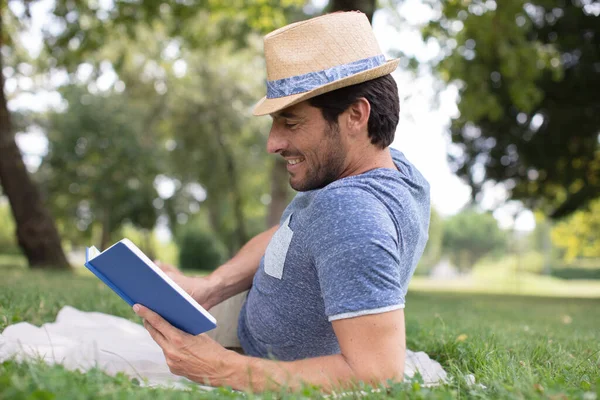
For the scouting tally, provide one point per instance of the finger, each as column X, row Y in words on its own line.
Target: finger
column 157, row 322
column 156, row 335
column 165, row 267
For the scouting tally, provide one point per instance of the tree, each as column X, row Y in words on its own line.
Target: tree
column 215, row 141
column 84, row 30
column 366, row 6
column 100, row 166
column 528, row 80
column 36, row 233
column 579, row 235
column 469, row 236
column 197, row 27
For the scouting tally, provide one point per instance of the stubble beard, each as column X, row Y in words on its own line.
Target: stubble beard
column 330, row 164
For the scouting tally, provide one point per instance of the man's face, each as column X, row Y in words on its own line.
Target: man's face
column 313, row 148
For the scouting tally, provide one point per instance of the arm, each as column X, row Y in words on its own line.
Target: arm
column 372, row 351
column 236, row 275
column 229, row 279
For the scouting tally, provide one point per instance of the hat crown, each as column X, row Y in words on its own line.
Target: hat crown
column 319, row 44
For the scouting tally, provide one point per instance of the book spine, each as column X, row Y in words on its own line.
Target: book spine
column 108, row 283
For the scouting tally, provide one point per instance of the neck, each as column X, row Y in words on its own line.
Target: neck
column 368, row 159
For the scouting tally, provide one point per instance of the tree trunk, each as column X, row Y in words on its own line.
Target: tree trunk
column 36, row 233
column 279, row 175
column 148, row 246
column 105, row 236
column 216, row 223
column 279, row 191
column 366, row 6
column 240, row 227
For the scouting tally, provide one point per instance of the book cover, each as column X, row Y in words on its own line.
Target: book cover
column 136, row 279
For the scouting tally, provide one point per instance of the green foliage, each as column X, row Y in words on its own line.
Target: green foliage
column 8, row 241
column 433, row 250
column 199, row 249
column 148, row 242
column 579, row 234
column 150, row 45
column 100, row 166
column 87, row 24
column 216, row 142
column 518, row 347
column 532, row 262
column 15, row 56
column 528, row 79
column 572, row 273
column 470, row 235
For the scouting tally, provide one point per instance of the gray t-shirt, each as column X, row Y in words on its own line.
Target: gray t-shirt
column 345, row 250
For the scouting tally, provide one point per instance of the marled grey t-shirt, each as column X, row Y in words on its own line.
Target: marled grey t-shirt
column 345, row 250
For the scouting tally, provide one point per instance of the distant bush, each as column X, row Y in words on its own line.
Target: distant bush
column 433, row 251
column 579, row 234
column 199, row 249
column 581, row 268
column 583, row 263
column 471, row 235
column 571, row 273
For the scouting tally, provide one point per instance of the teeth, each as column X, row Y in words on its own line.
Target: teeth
column 295, row 161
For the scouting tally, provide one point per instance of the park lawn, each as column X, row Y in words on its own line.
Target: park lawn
column 506, row 282
column 518, row 347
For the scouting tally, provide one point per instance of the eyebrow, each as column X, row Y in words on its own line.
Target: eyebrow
column 284, row 114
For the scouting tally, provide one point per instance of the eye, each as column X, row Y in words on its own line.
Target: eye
column 290, row 125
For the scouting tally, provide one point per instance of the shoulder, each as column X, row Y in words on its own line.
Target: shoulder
column 343, row 192
column 347, row 198
column 343, row 208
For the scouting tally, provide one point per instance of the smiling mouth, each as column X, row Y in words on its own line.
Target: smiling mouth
column 294, row 161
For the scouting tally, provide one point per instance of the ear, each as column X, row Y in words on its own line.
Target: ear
column 357, row 119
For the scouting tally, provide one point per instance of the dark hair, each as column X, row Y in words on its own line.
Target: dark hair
column 381, row 93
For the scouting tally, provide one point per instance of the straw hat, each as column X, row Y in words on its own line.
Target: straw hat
column 322, row 54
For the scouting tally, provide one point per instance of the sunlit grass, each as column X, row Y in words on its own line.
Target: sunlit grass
column 11, row 261
column 509, row 282
column 518, row 347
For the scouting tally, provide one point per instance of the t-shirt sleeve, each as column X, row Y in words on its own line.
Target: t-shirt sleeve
column 354, row 243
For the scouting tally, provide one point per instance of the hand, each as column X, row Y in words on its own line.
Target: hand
column 198, row 358
column 200, row 288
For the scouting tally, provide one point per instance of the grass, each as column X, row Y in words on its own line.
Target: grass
column 505, row 277
column 510, row 283
column 518, row 347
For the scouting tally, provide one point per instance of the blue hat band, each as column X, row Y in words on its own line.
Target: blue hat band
column 306, row 82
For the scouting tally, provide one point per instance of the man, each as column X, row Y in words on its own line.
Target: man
column 327, row 286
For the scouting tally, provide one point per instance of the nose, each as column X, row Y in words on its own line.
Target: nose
column 276, row 142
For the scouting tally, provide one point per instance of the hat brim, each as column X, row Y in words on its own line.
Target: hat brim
column 269, row 106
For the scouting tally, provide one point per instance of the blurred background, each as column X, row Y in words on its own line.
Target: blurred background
column 133, row 119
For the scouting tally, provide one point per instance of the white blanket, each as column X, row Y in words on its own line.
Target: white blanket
column 83, row 340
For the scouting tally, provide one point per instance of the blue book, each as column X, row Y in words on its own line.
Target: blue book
column 132, row 275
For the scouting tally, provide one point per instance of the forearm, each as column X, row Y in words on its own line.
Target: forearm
column 328, row 373
column 236, row 275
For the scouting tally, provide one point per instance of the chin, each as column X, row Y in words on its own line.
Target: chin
column 297, row 185
column 303, row 186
